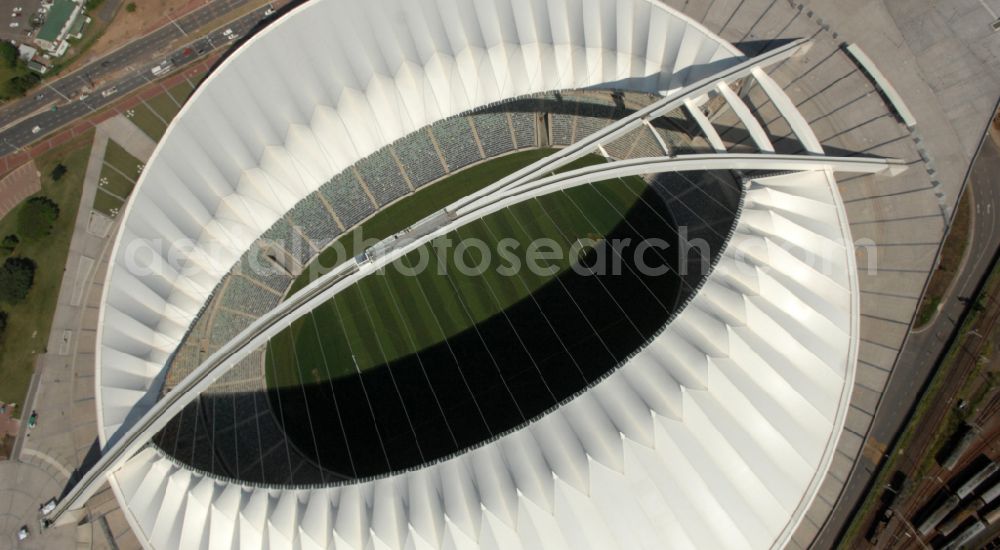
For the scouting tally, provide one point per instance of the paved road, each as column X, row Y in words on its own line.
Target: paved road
column 140, row 55
column 923, row 349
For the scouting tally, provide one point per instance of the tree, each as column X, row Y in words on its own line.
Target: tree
column 130, row 7
column 8, row 53
column 59, row 171
column 16, row 277
column 21, row 84
column 3, row 323
column 10, row 242
column 36, row 217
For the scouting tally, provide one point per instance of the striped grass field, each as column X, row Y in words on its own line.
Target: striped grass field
column 394, row 314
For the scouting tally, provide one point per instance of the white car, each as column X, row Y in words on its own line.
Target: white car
column 22, row 533
column 227, row 32
column 18, row 9
column 232, row 37
column 36, row 129
column 109, row 92
column 48, row 507
column 268, row 12
column 15, row 25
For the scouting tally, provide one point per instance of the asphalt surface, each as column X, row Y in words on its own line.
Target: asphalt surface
column 924, row 349
column 71, row 94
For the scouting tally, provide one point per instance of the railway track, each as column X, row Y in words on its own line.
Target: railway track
column 899, row 532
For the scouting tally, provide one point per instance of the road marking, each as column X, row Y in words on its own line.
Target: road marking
column 172, row 20
column 993, row 13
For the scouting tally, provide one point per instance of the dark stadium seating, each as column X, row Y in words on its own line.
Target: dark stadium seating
column 347, row 198
column 419, row 158
column 494, row 133
column 311, row 217
column 243, row 295
column 382, row 176
column 226, row 325
column 524, row 129
column 458, row 144
column 562, row 129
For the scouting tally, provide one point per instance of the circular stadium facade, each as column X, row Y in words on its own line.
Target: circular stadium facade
column 694, row 409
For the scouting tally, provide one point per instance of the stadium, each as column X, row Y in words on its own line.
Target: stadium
column 273, row 371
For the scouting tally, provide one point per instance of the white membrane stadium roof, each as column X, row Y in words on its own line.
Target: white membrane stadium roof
column 715, row 435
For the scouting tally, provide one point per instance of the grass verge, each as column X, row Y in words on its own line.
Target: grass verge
column 117, row 157
column 181, row 92
column 107, row 204
column 149, row 122
column 164, row 105
column 951, row 260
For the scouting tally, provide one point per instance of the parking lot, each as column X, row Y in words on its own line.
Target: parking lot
column 19, row 13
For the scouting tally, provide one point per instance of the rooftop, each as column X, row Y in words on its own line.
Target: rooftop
column 59, row 14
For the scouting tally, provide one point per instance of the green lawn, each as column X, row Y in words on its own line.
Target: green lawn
column 181, row 92
column 164, row 105
column 107, row 204
column 387, row 316
column 118, row 177
column 153, row 115
column 119, row 158
column 114, row 182
column 147, row 121
column 29, row 322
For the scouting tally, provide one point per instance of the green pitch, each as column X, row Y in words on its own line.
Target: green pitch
column 394, row 314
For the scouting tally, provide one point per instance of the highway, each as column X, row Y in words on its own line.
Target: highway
column 70, row 93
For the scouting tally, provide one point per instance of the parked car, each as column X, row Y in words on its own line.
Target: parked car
column 47, row 508
column 23, row 533
column 268, row 12
column 110, row 91
column 31, row 422
column 15, row 25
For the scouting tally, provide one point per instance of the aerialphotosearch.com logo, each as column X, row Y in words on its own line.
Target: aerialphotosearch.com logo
column 681, row 254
